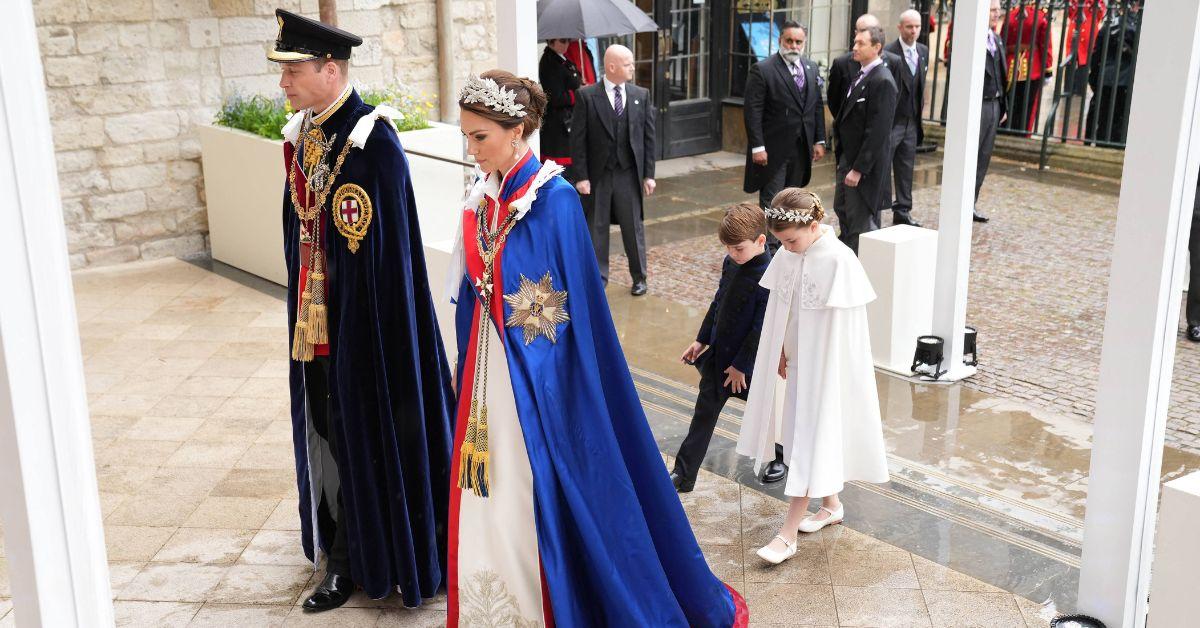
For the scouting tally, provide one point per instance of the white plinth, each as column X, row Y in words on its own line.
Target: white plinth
column 437, row 263
column 900, row 264
column 1173, row 599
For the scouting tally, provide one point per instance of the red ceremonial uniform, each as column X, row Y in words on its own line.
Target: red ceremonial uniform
column 1026, row 36
column 1082, row 25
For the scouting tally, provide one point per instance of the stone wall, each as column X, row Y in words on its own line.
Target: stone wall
column 128, row 81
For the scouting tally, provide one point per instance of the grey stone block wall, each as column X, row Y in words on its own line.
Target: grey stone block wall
column 128, row 81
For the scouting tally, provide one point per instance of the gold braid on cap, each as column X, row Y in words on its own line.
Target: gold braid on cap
column 491, row 94
column 802, row 216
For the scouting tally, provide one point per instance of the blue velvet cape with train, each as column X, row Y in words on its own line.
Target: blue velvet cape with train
column 616, row 546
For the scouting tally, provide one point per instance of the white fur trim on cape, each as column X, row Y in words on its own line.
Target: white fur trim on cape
column 291, row 130
column 362, row 128
column 458, row 259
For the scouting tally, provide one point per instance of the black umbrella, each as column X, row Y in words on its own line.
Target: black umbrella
column 582, row 19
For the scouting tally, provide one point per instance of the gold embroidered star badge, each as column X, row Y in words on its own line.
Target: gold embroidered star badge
column 538, row 308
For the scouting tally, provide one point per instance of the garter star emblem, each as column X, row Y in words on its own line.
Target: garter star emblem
column 538, row 308
column 352, row 214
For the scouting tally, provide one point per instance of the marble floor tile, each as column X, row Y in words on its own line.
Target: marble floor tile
column 344, row 617
column 219, row 385
column 276, row 432
column 5, row 607
column 188, row 348
column 183, row 481
column 269, row 456
column 411, row 618
column 893, row 570
column 250, row 407
column 110, row 502
column 249, row 349
column 173, row 582
column 275, row 367
column 163, row 428
column 963, row 609
column 171, row 365
column 125, row 405
column 275, row 547
column 114, row 363
column 263, row 584
column 123, row 479
column 230, row 367
column 842, row 538
column 791, row 604
column 725, row 561
column 188, row 406
column 1036, row 615
column 240, row 513
column 220, row 333
column 241, row 431
column 933, row 576
column 154, row 510
column 153, row 332
column 285, row 517
column 204, row 545
column 146, row 383
column 157, row 614
column 233, row 615
column 261, row 483
column 121, row 573
column 98, row 383
column 264, row 387
column 810, row 565
column 881, row 608
column 126, row 451
column 207, row 455
column 134, row 543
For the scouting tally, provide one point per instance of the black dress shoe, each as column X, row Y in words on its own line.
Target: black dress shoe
column 978, row 217
column 682, row 484
column 638, row 289
column 774, row 472
column 333, row 592
column 904, row 218
column 1193, row 333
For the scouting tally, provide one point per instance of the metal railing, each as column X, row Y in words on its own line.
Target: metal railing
column 1084, row 51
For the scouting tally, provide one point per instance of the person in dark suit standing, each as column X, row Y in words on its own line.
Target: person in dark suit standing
column 914, row 61
column 785, row 119
column 995, row 85
column 843, row 69
column 863, row 137
column 559, row 78
column 612, row 160
column 1192, row 311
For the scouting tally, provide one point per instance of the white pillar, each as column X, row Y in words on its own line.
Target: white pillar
column 1158, row 184
column 958, row 183
column 48, row 500
column 516, row 36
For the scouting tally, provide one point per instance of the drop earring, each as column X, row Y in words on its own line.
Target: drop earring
column 516, row 153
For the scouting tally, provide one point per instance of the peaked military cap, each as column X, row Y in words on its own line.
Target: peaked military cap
column 302, row 39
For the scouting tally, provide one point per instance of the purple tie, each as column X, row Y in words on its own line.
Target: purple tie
column 799, row 78
column 861, row 74
column 991, row 42
column 618, row 103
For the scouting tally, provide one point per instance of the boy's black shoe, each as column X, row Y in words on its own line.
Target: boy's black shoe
column 682, row 484
column 774, row 472
column 333, row 592
column 638, row 289
column 1193, row 333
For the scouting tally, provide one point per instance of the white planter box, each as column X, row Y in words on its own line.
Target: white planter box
column 244, row 187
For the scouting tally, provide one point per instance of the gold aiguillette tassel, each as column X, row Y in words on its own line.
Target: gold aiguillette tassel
column 318, row 314
column 468, row 449
column 302, row 346
column 479, row 472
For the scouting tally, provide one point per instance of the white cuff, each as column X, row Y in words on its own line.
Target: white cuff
column 758, row 149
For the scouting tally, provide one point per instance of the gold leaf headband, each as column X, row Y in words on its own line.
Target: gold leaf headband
column 492, row 95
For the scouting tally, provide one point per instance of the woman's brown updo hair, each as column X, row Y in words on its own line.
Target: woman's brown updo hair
column 798, row 199
column 529, row 94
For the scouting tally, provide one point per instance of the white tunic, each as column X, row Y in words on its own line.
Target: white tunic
column 831, row 429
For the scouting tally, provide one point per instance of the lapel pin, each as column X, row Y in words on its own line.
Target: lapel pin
column 636, row 101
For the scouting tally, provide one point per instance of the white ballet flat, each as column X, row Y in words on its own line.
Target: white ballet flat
column 774, row 557
column 809, row 525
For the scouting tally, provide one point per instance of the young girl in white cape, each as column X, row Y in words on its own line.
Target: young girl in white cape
column 815, row 336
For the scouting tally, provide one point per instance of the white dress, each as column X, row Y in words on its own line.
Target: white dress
column 830, row 429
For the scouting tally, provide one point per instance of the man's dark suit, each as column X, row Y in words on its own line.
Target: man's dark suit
column 842, row 72
column 559, row 78
column 995, row 83
column 1192, row 310
column 863, row 133
column 906, row 127
column 731, row 329
column 615, row 154
column 784, row 121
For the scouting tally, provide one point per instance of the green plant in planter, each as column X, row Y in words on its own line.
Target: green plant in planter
column 266, row 116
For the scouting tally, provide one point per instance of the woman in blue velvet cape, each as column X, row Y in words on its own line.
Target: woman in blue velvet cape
column 582, row 492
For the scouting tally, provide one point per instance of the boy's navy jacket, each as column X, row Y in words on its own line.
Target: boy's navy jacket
column 734, row 320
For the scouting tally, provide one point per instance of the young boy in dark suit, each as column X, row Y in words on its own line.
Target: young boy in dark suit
column 724, row 349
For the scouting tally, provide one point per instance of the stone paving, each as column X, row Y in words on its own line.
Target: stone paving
column 1038, row 284
column 186, row 385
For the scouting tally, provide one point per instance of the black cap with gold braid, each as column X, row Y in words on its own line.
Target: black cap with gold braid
column 303, row 39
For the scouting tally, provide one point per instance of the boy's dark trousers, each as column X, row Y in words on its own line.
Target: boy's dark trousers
column 709, row 403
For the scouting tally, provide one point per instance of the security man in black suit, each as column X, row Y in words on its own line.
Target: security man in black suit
column 914, row 61
column 863, row 134
column 785, row 119
column 612, row 159
column 1192, row 309
column 559, row 78
column 995, row 84
column 843, row 69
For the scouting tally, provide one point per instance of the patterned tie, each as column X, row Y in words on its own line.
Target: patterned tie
column 798, row 76
column 991, row 42
column 911, row 53
column 857, row 78
column 618, row 103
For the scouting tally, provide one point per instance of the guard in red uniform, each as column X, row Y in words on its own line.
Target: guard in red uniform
column 1026, row 35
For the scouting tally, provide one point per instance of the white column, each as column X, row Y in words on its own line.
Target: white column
column 48, row 500
column 516, row 36
column 958, row 183
column 1158, row 184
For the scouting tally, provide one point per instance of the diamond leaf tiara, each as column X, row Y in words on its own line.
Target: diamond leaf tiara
column 490, row 94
